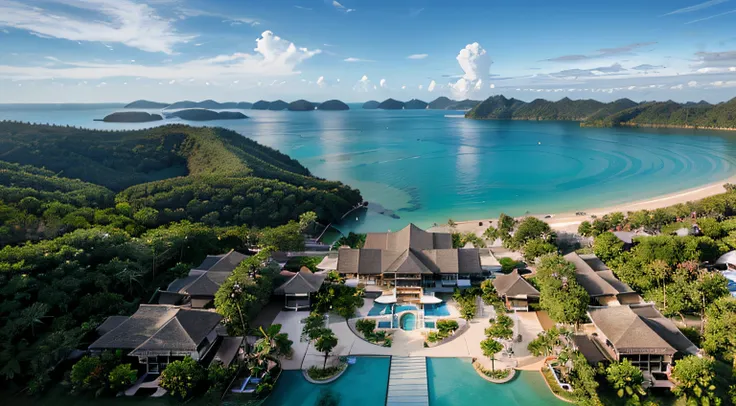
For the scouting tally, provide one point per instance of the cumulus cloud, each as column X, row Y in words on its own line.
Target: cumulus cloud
column 118, row 21
column 321, row 81
column 431, row 86
column 692, row 83
column 403, row 87
column 677, row 87
column 273, row 56
column 417, row 56
column 383, row 84
column 421, row 87
column 364, row 85
column 476, row 64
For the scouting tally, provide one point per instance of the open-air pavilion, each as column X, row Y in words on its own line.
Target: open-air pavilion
column 300, row 287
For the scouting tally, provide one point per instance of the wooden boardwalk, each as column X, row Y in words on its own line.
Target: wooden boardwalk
column 407, row 382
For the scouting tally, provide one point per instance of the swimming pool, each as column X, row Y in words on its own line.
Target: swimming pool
column 381, row 309
column 408, row 321
column 446, row 375
column 384, row 324
column 429, row 324
column 370, row 374
column 436, row 310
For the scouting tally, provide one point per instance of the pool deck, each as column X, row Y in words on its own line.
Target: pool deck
column 408, row 343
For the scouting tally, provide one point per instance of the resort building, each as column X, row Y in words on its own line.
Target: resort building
column 300, row 287
column 599, row 281
column 515, row 291
column 641, row 334
column 627, row 237
column 158, row 334
column 199, row 287
column 409, row 260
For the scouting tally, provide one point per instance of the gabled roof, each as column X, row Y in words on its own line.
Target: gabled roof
column 513, row 285
column 640, row 329
column 410, row 236
column 589, row 279
column 409, row 262
column 160, row 328
column 303, row 281
column 206, row 279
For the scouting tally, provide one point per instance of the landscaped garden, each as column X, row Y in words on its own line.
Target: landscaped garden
column 367, row 329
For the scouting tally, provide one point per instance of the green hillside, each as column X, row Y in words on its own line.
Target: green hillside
column 670, row 114
column 495, row 107
column 177, row 172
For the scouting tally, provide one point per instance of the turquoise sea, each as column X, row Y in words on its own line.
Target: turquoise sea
column 426, row 166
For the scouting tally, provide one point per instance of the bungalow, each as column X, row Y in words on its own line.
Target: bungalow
column 300, row 287
column 627, row 237
column 516, row 291
column 600, row 282
column 158, row 334
column 199, row 287
column 410, row 259
column 641, row 334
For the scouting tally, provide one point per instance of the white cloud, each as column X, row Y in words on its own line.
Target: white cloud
column 478, row 85
column 493, row 86
column 677, row 87
column 403, row 87
column 421, row 87
column 692, row 83
column 364, row 85
column 187, row 12
column 351, row 59
column 340, row 7
column 696, row 7
column 171, row 82
column 383, row 84
column 476, row 63
column 120, row 21
column 732, row 69
column 431, row 86
column 417, row 56
column 321, row 81
column 273, row 56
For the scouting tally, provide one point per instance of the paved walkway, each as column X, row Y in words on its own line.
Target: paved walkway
column 407, row 382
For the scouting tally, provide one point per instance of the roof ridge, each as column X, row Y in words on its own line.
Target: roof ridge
column 220, row 260
column 173, row 318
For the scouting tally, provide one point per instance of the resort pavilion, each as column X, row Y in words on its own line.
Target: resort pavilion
column 641, row 334
column 515, row 291
column 408, row 260
column 600, row 282
column 156, row 334
column 199, row 287
column 300, row 287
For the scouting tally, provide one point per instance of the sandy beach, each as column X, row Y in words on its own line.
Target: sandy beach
column 569, row 221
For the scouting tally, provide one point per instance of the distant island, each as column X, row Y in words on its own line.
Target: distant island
column 415, row 104
column 619, row 113
column 131, row 117
column 302, row 105
column 371, row 105
column 206, row 115
column 391, row 104
column 278, row 105
column 145, row 104
column 333, row 105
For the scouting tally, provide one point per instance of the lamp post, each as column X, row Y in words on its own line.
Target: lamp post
column 237, row 291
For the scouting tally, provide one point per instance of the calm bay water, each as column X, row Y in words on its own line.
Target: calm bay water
column 427, row 166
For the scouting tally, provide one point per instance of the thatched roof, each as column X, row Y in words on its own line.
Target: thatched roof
column 514, row 285
column 303, row 281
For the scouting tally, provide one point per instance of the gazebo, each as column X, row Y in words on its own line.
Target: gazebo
column 299, row 288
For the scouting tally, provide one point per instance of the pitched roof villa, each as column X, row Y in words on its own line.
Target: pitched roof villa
column 200, row 286
column 516, row 291
column 298, row 289
column 600, row 282
column 409, row 257
column 158, row 334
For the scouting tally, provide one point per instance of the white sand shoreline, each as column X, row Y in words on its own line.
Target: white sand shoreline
column 569, row 221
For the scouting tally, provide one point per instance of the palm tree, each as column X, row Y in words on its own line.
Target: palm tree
column 130, row 275
column 490, row 348
column 325, row 343
column 32, row 315
column 273, row 342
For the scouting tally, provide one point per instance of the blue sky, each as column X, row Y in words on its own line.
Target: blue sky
column 355, row 50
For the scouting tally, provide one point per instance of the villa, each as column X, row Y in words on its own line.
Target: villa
column 599, row 281
column 641, row 334
column 409, row 260
column 300, row 287
column 158, row 334
column 515, row 291
column 199, row 287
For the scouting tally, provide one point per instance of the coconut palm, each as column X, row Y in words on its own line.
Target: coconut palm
column 273, row 342
column 32, row 315
column 490, row 348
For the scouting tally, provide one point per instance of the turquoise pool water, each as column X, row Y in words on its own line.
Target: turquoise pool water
column 454, row 382
column 435, row 310
column 408, row 321
column 363, row 384
column 380, row 309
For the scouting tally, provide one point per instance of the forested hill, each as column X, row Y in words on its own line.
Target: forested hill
column 167, row 174
column 671, row 114
column 622, row 112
